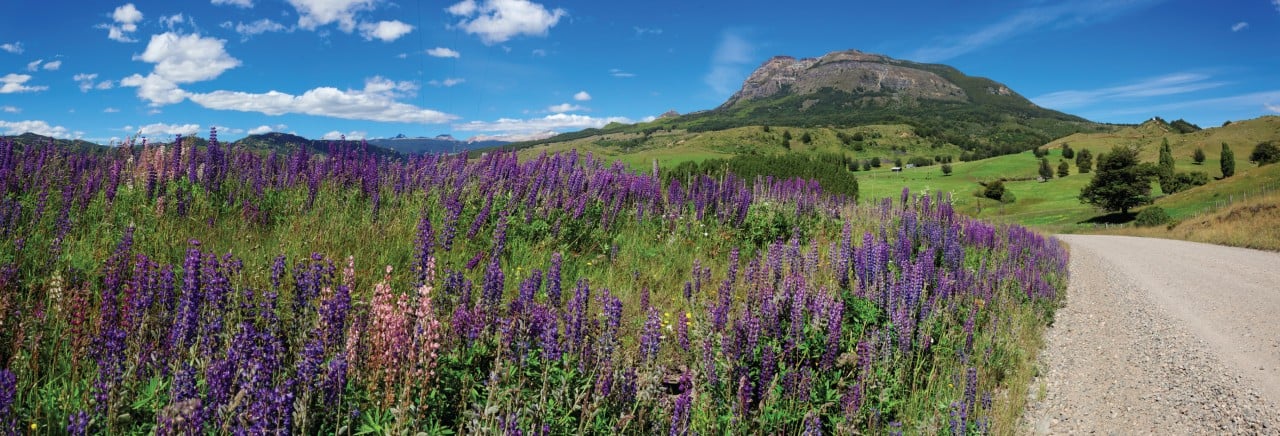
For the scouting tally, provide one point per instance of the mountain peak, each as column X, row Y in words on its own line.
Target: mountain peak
column 850, row 71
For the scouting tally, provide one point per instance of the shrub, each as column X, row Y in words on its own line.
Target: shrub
column 1265, row 153
column 1152, row 216
column 1064, row 169
column 1198, row 156
column 1228, row 161
column 946, row 169
column 995, row 190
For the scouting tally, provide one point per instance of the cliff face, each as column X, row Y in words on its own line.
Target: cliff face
column 849, row 71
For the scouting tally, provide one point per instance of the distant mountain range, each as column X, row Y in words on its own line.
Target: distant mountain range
column 438, row 144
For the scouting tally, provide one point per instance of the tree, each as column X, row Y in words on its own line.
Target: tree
column 1265, row 153
column 946, row 169
column 786, row 139
column 1046, row 173
column 875, row 162
column 1166, row 167
column 1067, row 152
column 1198, row 156
column 806, row 138
column 1064, row 169
column 1084, row 161
column 897, row 162
column 994, row 191
column 1228, row 161
column 1121, row 182
column 1038, row 153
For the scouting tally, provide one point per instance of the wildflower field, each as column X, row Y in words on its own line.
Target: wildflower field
column 183, row 290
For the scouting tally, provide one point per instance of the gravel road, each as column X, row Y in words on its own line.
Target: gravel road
column 1162, row 337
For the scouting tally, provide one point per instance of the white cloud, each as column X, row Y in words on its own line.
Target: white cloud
column 12, row 47
column 565, row 107
column 52, row 66
column 1244, row 102
column 376, row 102
column 14, row 83
column 187, row 58
column 641, row 31
column 85, row 80
column 729, row 63
column 513, row 137
column 10, row 109
column 229, row 130
column 582, row 96
column 315, row 13
column 444, row 52
column 549, row 122
column 386, row 31
column 34, row 126
column 166, row 129
column 448, row 82
column 1276, row 3
column 1170, row 84
column 125, row 20
column 267, row 129
column 1272, row 107
column 247, row 30
column 1055, row 16
column 105, row 84
column 34, row 65
column 1240, row 26
column 497, row 21
column 110, row 110
column 172, row 20
column 620, row 74
column 539, row 53
column 238, row 3
column 336, row 135
column 155, row 89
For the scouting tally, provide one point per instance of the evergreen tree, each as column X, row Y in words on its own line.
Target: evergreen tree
column 1121, row 182
column 1067, row 152
column 1046, row 173
column 806, row 138
column 1228, row 161
column 946, row 169
column 1166, row 167
column 786, row 139
column 1084, row 161
column 1064, row 169
column 1198, row 156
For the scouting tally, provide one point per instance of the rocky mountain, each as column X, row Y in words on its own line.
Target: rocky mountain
column 847, row 71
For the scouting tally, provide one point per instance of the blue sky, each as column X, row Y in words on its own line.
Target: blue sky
column 511, row 68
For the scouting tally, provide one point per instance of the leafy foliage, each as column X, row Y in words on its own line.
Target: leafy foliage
column 1084, row 161
column 831, row 171
column 1046, row 172
column 1228, row 161
column 1198, row 156
column 1151, row 216
column 1265, row 153
column 1121, row 182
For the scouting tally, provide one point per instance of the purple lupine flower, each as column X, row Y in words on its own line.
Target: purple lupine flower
column 651, row 337
column 548, row 332
column 528, row 290
column 336, row 381
column 553, row 280
column 680, row 410
column 494, row 281
column 8, row 391
column 835, row 318
column 682, row 330
column 812, row 425
column 78, row 423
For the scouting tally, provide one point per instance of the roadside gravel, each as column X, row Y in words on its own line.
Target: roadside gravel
column 1161, row 337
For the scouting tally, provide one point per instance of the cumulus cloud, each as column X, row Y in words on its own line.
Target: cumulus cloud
column 171, row 21
column 12, row 47
column 247, row 30
column 165, row 129
column 187, row 58
column 14, row 83
column 336, row 135
column 124, row 22
column 549, row 122
column 448, row 82
column 178, row 59
column 267, row 129
column 1272, row 107
column 85, row 82
column 34, row 126
column 34, row 65
column 52, row 66
column 565, row 107
column 1239, row 26
column 496, row 21
column 238, row 3
column 729, row 63
column 386, row 31
column 316, row 13
column 444, row 52
column 376, row 102
column 10, row 109
column 582, row 96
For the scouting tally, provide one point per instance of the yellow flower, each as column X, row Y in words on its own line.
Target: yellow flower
column 33, row 426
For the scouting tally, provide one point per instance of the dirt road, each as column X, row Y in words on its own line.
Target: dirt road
column 1162, row 337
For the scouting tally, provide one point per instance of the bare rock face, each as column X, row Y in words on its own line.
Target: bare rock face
column 850, row 71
